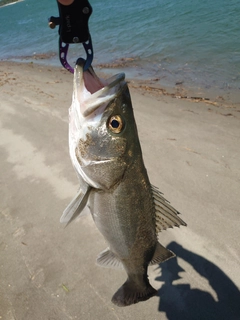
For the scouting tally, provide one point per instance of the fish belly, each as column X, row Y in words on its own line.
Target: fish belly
column 125, row 217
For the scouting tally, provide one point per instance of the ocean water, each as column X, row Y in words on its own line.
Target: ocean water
column 192, row 42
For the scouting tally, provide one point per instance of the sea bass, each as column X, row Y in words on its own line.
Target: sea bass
column 106, row 154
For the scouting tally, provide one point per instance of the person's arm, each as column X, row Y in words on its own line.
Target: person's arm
column 66, row 2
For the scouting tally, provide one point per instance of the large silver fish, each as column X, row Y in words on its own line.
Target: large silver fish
column 127, row 209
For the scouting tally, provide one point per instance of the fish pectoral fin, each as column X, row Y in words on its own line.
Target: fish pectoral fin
column 108, row 259
column 75, row 207
column 166, row 215
column 161, row 254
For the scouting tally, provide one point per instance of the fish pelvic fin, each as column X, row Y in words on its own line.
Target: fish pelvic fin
column 131, row 292
column 75, row 207
column 108, row 259
column 166, row 215
column 161, row 254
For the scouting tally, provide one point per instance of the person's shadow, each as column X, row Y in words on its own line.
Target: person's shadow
column 181, row 302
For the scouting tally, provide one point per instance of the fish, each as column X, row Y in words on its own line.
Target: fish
column 127, row 209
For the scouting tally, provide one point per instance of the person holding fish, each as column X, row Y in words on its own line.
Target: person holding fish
column 105, row 151
column 73, row 29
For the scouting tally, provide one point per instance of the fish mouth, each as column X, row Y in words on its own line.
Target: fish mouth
column 92, row 91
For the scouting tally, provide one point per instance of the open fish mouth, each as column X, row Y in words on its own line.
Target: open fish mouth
column 92, row 91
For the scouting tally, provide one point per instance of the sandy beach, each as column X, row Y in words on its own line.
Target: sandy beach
column 191, row 151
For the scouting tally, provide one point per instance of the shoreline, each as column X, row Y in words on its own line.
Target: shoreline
column 191, row 154
column 151, row 86
column 8, row 3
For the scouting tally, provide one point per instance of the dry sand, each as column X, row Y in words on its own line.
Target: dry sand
column 191, row 151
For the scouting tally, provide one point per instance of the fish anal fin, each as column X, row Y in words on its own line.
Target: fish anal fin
column 130, row 293
column 161, row 254
column 108, row 259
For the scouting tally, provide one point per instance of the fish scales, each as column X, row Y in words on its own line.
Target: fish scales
column 106, row 154
column 124, row 229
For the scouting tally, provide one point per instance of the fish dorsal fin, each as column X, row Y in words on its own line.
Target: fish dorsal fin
column 108, row 259
column 166, row 215
column 161, row 254
column 75, row 207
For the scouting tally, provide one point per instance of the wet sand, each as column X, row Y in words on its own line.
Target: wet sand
column 191, row 151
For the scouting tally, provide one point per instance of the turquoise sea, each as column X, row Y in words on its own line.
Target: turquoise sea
column 193, row 42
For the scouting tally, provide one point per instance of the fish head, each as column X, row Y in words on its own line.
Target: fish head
column 102, row 130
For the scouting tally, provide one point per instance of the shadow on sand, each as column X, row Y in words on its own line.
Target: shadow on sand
column 180, row 302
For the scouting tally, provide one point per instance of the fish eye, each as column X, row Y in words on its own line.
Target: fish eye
column 115, row 124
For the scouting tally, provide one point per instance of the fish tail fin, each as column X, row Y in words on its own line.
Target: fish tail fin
column 130, row 292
